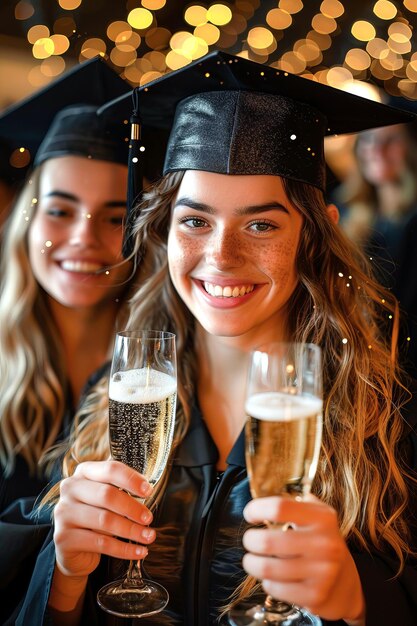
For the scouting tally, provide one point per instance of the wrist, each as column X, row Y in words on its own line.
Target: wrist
column 359, row 619
column 66, row 591
column 356, row 622
column 354, row 596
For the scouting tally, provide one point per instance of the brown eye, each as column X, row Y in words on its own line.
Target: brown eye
column 262, row 226
column 194, row 222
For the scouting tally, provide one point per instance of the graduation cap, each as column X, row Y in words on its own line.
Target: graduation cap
column 229, row 115
column 62, row 117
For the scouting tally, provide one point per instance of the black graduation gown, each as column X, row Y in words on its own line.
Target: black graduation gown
column 198, row 551
column 23, row 483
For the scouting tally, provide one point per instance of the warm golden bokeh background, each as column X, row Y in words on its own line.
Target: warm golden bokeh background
column 344, row 44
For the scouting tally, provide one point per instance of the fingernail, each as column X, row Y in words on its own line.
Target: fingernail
column 148, row 533
column 141, row 551
column 146, row 517
column 146, row 489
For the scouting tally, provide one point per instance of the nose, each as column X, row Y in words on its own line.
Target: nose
column 224, row 249
column 84, row 231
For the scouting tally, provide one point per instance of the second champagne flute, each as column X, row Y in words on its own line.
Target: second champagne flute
column 283, row 438
column 142, row 402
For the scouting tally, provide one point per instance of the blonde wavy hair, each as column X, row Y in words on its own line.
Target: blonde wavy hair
column 337, row 305
column 33, row 377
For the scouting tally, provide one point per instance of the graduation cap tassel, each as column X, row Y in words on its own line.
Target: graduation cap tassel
column 135, row 172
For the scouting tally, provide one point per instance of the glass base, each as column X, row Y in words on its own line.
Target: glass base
column 259, row 616
column 148, row 598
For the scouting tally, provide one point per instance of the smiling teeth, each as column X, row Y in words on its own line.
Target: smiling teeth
column 84, row 267
column 227, row 292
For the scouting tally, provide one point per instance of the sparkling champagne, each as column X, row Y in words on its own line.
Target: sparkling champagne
column 141, row 418
column 283, row 434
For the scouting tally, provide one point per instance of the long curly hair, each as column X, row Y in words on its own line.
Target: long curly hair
column 33, row 377
column 338, row 305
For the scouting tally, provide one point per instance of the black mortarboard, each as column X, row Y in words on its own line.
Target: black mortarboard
column 41, row 125
column 229, row 115
column 78, row 129
column 234, row 116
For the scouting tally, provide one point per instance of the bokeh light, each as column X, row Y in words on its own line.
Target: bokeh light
column 52, row 67
column 363, row 30
column 116, row 28
column 23, row 10
column 37, row 78
column 196, row 15
column 332, row 8
column 37, row 32
column 411, row 5
column 43, row 48
column 140, row 18
column 92, row 47
column 69, row 5
column 323, row 41
column 260, row 38
column 377, row 48
column 175, row 60
column 278, row 19
column 358, row 59
column 385, row 10
column 219, row 14
column 292, row 62
column 128, row 41
column 153, row 5
column 208, row 32
column 61, row 44
column 338, row 77
column 331, row 41
column 290, row 6
column 308, row 50
column 158, row 38
column 122, row 58
column 20, row 158
column 400, row 32
column 323, row 24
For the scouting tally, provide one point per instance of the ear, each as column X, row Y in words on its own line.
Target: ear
column 333, row 213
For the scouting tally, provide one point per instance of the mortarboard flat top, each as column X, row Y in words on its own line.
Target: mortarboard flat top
column 218, row 71
column 231, row 115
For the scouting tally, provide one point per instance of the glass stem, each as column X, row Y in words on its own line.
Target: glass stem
column 134, row 576
column 277, row 606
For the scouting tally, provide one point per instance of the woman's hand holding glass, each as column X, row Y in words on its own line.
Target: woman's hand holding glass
column 299, row 554
column 283, row 438
column 311, row 567
column 95, row 515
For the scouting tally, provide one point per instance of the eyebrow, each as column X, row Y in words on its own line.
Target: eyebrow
column 112, row 204
column 247, row 210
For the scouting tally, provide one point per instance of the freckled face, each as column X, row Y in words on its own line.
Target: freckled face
column 76, row 232
column 232, row 250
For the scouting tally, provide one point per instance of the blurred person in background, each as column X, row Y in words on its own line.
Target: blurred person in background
column 379, row 196
column 63, row 278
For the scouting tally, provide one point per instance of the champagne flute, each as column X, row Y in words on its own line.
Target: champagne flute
column 283, row 438
column 142, row 401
